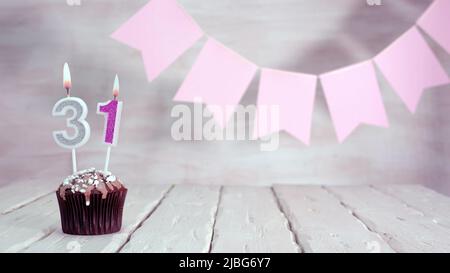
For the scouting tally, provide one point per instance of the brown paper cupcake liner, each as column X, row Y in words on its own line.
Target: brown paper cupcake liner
column 102, row 216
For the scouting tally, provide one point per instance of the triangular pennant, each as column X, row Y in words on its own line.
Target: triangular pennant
column 293, row 94
column 162, row 31
column 219, row 77
column 410, row 67
column 353, row 97
column 435, row 21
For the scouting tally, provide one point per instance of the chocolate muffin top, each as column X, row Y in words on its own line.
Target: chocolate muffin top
column 89, row 180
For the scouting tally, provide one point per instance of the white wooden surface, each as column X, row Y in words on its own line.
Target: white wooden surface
column 30, row 191
column 428, row 201
column 249, row 220
column 197, row 218
column 405, row 228
column 323, row 224
column 22, row 227
column 183, row 223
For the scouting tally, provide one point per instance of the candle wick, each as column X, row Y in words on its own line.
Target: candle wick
column 68, row 92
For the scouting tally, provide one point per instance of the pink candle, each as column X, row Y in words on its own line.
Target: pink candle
column 112, row 111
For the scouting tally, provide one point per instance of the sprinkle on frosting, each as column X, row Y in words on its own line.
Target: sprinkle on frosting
column 88, row 180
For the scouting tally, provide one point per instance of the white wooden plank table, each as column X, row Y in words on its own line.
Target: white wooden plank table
column 405, row 228
column 194, row 218
column 249, row 220
column 323, row 224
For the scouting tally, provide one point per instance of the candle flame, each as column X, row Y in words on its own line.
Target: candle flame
column 116, row 87
column 67, row 82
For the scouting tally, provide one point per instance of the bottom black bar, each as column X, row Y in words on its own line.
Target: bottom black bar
column 229, row 262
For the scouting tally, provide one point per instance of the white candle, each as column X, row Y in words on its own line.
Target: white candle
column 77, row 119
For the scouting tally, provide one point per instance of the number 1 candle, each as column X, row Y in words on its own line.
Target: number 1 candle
column 77, row 121
column 112, row 111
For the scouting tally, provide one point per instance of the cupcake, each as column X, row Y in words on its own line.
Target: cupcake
column 91, row 203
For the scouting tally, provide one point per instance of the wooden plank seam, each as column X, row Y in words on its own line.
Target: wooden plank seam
column 145, row 218
column 357, row 217
column 408, row 205
column 294, row 235
column 219, row 199
column 25, row 203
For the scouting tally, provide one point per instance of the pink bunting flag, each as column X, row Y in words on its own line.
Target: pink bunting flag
column 353, row 97
column 436, row 21
column 410, row 67
column 219, row 77
column 162, row 31
column 294, row 94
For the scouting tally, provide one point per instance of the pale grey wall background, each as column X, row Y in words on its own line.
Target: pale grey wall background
column 37, row 37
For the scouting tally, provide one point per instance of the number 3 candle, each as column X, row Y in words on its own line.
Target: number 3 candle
column 111, row 110
column 76, row 121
